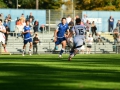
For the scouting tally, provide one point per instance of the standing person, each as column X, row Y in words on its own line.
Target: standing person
column 36, row 25
column 6, row 23
column 87, row 25
column 79, row 31
column 2, row 36
column 111, row 24
column 118, row 44
column 118, row 25
column 9, row 19
column 35, row 41
column 89, row 44
column 84, row 19
column 6, row 34
column 31, row 16
column 68, row 19
column 27, row 37
column 93, row 28
column 60, row 35
column 115, row 35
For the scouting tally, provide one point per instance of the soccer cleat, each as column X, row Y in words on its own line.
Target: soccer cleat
column 69, row 59
column 60, row 56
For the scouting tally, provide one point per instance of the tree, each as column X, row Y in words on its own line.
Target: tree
column 31, row 4
column 2, row 4
column 97, row 4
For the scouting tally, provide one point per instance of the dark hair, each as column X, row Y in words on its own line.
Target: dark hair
column 63, row 18
column 78, row 20
column 1, row 20
column 27, row 21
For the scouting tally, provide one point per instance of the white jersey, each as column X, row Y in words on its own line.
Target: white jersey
column 2, row 36
column 79, row 31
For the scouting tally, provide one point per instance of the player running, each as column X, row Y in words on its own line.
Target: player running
column 79, row 31
column 60, row 35
column 27, row 37
column 2, row 36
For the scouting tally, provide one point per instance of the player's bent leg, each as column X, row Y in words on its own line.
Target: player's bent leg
column 23, row 53
column 63, row 48
column 30, row 47
column 4, row 46
column 76, row 50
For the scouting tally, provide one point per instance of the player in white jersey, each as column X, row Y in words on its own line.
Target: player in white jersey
column 79, row 31
column 2, row 36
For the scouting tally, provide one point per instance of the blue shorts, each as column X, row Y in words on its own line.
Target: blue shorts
column 60, row 40
column 26, row 41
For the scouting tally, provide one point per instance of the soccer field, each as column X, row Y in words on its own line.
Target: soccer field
column 48, row 72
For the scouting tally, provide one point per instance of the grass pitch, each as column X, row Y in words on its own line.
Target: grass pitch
column 48, row 72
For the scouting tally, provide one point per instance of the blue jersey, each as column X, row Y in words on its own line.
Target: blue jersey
column 27, row 35
column 62, row 29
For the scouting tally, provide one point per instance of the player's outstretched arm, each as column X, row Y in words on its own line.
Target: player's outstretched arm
column 55, row 35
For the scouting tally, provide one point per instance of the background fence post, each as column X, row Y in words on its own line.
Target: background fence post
column 49, row 22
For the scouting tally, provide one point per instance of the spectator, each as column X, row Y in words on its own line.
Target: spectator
column 6, row 23
column 118, row 25
column 118, row 44
column 31, row 16
column 18, row 22
column 19, row 27
column 36, row 25
column 68, row 19
column 89, row 44
column 31, row 24
column 22, row 18
column 115, row 35
column 9, row 19
column 111, row 23
column 84, row 19
column 87, row 28
column 42, row 27
column 35, row 41
column 76, row 17
column 6, row 34
column 98, row 39
column 71, row 24
column 93, row 28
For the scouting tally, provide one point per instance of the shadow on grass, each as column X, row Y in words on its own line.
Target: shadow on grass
column 15, row 76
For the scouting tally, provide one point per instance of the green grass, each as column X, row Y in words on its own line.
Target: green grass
column 47, row 72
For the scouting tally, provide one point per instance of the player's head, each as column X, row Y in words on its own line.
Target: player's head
column 63, row 20
column 27, row 22
column 78, row 21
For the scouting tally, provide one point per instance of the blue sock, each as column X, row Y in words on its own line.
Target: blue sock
column 61, row 52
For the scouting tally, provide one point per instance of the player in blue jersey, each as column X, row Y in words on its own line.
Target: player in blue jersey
column 79, row 31
column 60, row 35
column 27, row 37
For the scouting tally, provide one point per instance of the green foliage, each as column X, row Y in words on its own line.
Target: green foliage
column 2, row 4
column 97, row 5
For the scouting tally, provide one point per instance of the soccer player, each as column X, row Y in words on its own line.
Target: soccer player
column 60, row 35
column 79, row 31
column 27, row 37
column 2, row 36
